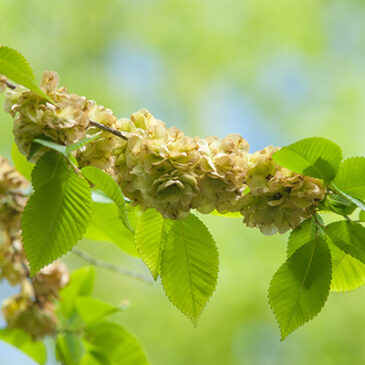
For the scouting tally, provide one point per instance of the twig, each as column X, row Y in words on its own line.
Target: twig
column 110, row 267
column 10, row 85
column 105, row 128
column 108, row 129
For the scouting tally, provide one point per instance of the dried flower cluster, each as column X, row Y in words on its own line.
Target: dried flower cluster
column 159, row 167
column 33, row 308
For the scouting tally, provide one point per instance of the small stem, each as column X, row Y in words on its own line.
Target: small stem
column 110, row 267
column 108, row 129
column 10, row 85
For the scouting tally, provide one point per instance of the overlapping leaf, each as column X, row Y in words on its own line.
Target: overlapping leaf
column 189, row 267
column 348, row 237
column 14, row 66
column 302, row 235
column 20, row 162
column 299, row 289
column 113, row 345
column 348, row 273
column 317, row 157
column 109, row 186
column 23, row 341
column 105, row 225
column 151, row 233
column 351, row 177
column 56, row 216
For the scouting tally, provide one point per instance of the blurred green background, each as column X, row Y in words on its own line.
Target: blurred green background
column 273, row 71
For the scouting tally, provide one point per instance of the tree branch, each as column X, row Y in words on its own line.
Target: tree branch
column 108, row 129
column 10, row 85
column 85, row 256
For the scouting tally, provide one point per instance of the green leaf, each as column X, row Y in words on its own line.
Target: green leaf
column 348, row 237
column 116, row 344
column 360, row 204
column 299, row 289
column 317, row 157
column 189, row 267
column 92, row 309
column 362, row 216
column 52, row 145
column 20, row 162
column 93, row 357
column 83, row 142
column 110, row 187
column 302, row 235
column 23, row 341
column 350, row 178
column 151, row 234
column 338, row 204
column 69, row 349
column 81, row 284
column 227, row 215
column 47, row 168
column 347, row 272
column 56, row 217
column 105, row 226
column 14, row 66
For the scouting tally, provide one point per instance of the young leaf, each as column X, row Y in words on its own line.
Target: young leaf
column 105, row 226
column 69, row 349
column 338, row 204
column 189, row 267
column 23, row 341
column 52, row 145
column 299, row 289
column 115, row 344
column 56, row 217
column 20, row 162
column 14, row 66
column 359, row 203
column 92, row 309
column 317, row 157
column 302, row 235
column 83, row 142
column 362, row 216
column 348, row 273
column 47, row 168
column 350, row 178
column 151, row 233
column 110, row 187
column 81, row 284
column 348, row 237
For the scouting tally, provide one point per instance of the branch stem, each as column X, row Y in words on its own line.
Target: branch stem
column 131, row 274
column 108, row 129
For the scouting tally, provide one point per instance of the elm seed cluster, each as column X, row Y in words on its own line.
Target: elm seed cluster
column 160, row 167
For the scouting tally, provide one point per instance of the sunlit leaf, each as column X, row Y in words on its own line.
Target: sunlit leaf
column 350, row 178
column 317, row 157
column 109, row 186
column 105, row 226
column 56, row 217
column 151, row 233
column 348, row 237
column 14, row 66
column 115, row 344
column 299, row 289
column 81, row 284
column 22, row 341
column 348, row 273
column 189, row 267
column 20, row 162
column 69, row 349
column 92, row 309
